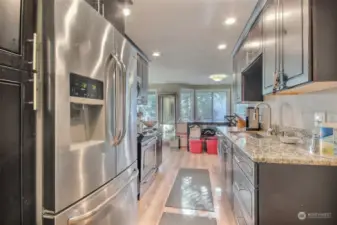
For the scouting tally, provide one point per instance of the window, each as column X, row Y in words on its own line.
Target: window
column 203, row 105
column 186, row 105
column 219, row 105
column 149, row 110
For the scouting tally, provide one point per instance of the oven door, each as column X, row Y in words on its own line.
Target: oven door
column 148, row 157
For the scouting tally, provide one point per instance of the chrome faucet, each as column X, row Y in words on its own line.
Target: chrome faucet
column 269, row 131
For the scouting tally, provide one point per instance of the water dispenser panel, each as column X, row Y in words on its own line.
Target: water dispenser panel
column 85, row 87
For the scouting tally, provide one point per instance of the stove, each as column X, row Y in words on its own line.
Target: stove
column 147, row 161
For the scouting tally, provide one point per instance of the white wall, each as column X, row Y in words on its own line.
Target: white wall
column 298, row 110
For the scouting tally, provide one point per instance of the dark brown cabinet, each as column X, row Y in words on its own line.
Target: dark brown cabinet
column 298, row 46
column 112, row 11
column 285, row 43
column 17, row 149
column 143, row 78
column 294, row 41
column 114, row 14
column 17, row 25
column 269, row 41
column 17, row 117
column 253, row 44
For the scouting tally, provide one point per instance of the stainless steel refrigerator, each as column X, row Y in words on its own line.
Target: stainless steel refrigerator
column 90, row 147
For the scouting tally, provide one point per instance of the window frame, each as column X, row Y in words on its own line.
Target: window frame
column 192, row 92
column 194, row 100
column 152, row 91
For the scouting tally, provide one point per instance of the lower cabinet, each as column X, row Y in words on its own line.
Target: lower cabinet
column 240, row 220
column 245, row 194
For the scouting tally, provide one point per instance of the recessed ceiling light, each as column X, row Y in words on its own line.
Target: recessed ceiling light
column 218, row 77
column 126, row 11
column 230, row 21
column 222, row 46
column 156, row 54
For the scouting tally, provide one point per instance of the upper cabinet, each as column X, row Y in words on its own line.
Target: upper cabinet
column 111, row 10
column 285, row 44
column 247, row 77
column 17, row 33
column 143, row 79
column 113, row 13
column 253, row 44
column 294, row 42
column 299, row 45
column 269, row 42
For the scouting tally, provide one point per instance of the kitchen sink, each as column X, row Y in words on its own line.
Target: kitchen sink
column 249, row 133
column 255, row 135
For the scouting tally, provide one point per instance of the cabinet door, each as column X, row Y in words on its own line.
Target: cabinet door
column 236, row 79
column 294, row 45
column 239, row 87
column 269, row 45
column 17, row 25
column 254, row 45
column 240, row 66
column 145, row 78
column 113, row 13
column 17, row 149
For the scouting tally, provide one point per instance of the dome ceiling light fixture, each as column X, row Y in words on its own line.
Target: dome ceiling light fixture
column 218, row 77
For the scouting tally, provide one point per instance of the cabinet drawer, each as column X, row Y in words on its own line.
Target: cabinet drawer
column 227, row 142
column 247, row 165
column 240, row 220
column 245, row 193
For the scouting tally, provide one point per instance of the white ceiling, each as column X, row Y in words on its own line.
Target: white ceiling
column 187, row 33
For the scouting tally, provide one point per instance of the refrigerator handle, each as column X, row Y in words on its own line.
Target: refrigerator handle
column 116, row 139
column 124, row 101
column 93, row 212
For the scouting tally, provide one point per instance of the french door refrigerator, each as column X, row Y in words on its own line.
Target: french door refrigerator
column 90, row 147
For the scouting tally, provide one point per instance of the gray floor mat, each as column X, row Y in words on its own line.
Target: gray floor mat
column 191, row 190
column 178, row 219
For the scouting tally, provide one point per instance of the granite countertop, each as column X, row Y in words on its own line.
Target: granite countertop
column 271, row 150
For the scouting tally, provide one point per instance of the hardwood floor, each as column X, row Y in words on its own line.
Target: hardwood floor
column 152, row 204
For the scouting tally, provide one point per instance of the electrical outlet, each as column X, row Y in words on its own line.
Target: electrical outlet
column 319, row 118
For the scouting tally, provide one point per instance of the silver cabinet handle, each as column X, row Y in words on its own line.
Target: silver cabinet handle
column 87, row 215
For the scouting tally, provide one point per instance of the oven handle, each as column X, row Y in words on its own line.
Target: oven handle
column 87, row 215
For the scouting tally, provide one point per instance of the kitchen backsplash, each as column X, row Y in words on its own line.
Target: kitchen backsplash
column 297, row 111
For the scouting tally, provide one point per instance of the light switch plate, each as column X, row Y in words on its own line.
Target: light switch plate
column 319, row 118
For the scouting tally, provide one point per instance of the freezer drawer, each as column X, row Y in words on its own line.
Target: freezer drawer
column 114, row 203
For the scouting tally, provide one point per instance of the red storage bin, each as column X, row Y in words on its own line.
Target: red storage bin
column 196, row 146
column 212, row 146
